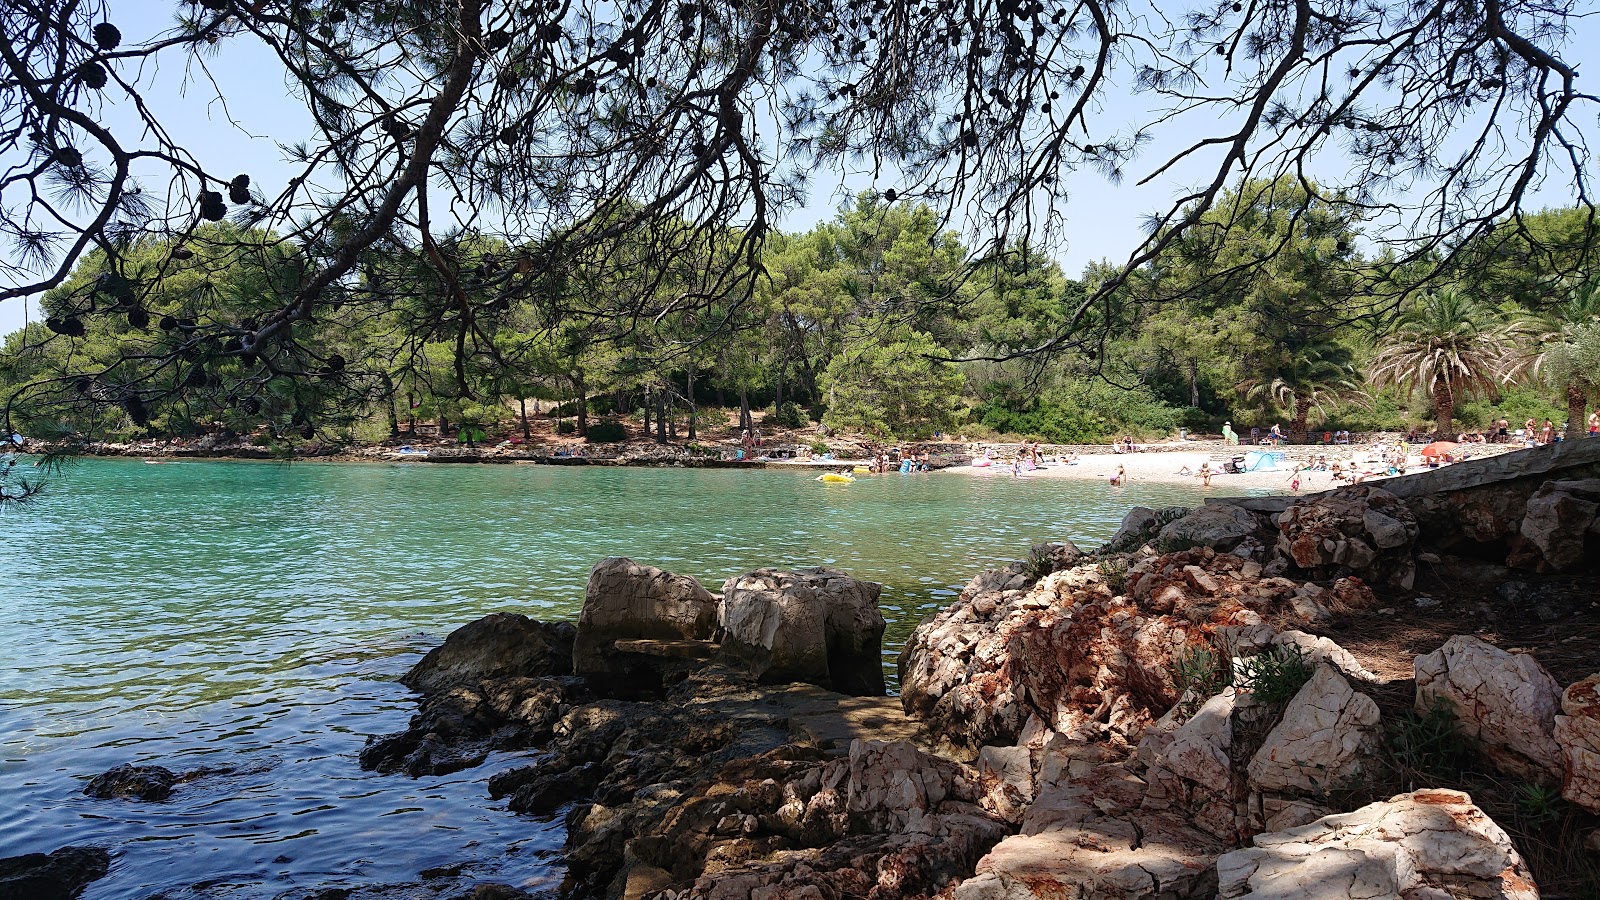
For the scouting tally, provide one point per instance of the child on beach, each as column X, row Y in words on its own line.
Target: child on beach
column 1294, row 479
column 1205, row 474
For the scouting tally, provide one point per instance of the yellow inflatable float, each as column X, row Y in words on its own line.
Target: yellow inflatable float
column 836, row 478
column 861, row 470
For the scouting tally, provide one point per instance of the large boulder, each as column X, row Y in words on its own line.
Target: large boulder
column 61, row 875
column 499, row 645
column 1324, row 742
column 1362, row 530
column 1506, row 702
column 815, row 625
column 1426, row 844
column 1578, row 734
column 1139, row 527
column 1558, row 519
column 625, row 600
column 1220, row 526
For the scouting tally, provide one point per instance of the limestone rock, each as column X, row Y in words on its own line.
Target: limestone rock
column 1139, row 527
column 1220, row 526
column 1057, row 555
column 1361, row 530
column 1323, row 742
column 1507, row 702
column 1430, row 844
column 1578, row 734
column 1088, row 838
column 816, row 625
column 499, row 645
column 625, row 600
column 61, row 875
column 1557, row 522
column 1317, row 649
column 1190, row 768
column 133, row 782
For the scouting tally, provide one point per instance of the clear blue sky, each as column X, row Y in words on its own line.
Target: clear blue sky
column 243, row 134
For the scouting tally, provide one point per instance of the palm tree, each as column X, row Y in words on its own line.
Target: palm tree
column 1317, row 373
column 1451, row 346
column 1565, row 351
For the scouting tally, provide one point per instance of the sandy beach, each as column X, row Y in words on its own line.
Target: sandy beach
column 1166, row 467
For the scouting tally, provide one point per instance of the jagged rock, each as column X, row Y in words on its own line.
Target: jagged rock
column 1088, row 837
column 1426, row 844
column 1506, row 702
column 1005, row 778
column 1190, row 767
column 1139, row 526
column 1323, row 743
column 499, row 645
column 1577, row 733
column 1318, row 649
column 133, row 782
column 1361, row 530
column 1087, row 662
column 815, row 625
column 1055, row 555
column 625, row 600
column 1220, row 526
column 887, row 821
column 60, row 875
column 457, row 728
column 1558, row 518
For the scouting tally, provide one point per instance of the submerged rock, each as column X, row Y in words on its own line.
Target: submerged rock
column 61, row 875
column 133, row 782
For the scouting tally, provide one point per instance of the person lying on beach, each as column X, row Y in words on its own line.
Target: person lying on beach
column 1185, row 471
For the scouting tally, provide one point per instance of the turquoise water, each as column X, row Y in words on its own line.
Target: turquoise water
column 252, row 617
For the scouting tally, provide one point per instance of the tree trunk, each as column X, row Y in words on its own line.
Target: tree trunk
column 1297, row 428
column 527, row 433
column 777, row 400
column 661, row 417
column 745, row 420
column 583, row 404
column 1194, row 382
column 647, row 401
column 1577, row 405
column 689, row 396
column 1444, row 407
column 411, row 413
column 388, row 406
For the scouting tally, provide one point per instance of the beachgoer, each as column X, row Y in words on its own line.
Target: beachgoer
column 1277, row 435
column 1255, row 435
column 1229, row 436
column 1594, row 423
column 1336, row 473
column 1547, row 433
column 1185, row 471
column 1205, row 474
column 1120, row 478
column 1530, row 431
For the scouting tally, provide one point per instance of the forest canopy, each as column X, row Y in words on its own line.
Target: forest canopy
column 490, row 193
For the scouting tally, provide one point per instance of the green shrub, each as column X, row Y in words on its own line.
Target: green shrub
column 1275, row 675
column 820, row 448
column 606, row 431
column 789, row 415
column 565, row 427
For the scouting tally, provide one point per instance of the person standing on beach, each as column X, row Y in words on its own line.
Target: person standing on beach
column 1205, row 474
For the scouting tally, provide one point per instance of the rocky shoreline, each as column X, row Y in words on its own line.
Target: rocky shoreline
column 1171, row 716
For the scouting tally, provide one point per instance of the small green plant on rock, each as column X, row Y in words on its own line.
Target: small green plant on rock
column 1114, row 572
column 1276, row 674
column 1425, row 748
column 1038, row 564
column 1201, row 669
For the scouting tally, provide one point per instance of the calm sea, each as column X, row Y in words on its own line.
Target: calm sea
column 252, row 617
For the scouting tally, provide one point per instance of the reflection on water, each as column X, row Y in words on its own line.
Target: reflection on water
column 251, row 618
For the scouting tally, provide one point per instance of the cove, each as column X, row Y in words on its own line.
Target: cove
column 252, row 618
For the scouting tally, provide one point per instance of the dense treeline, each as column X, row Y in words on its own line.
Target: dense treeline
column 876, row 322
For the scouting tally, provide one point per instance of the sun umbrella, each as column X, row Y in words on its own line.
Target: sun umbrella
column 1439, row 448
